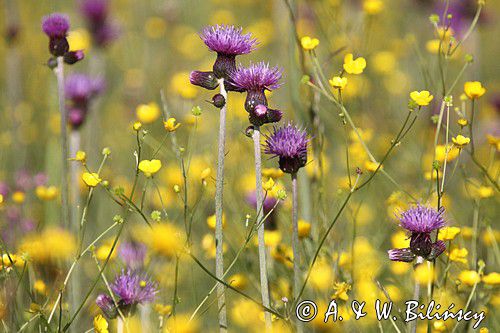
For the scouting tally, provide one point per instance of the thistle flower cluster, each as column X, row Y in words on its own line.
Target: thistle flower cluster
column 56, row 27
column 420, row 221
column 96, row 14
column 132, row 288
column 79, row 90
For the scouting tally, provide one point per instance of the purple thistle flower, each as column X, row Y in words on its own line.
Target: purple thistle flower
column 420, row 221
column 289, row 144
column 133, row 254
column 96, row 13
column 79, row 89
column 55, row 25
column 228, row 40
column 133, row 288
column 257, row 77
column 107, row 306
column 268, row 204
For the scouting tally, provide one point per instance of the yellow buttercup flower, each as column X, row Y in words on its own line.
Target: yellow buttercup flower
column 474, row 89
column 18, row 197
column 469, row 278
column 341, row 289
column 78, row 39
column 239, row 281
column 163, row 309
column 91, row 179
column 211, row 221
column 309, row 43
column 424, row 273
column 373, row 7
column 462, row 122
column 354, row 66
column 1, row 198
column 448, row 233
column 40, row 287
column 147, row 113
column 304, row 228
column 80, row 156
column 274, row 173
column 422, row 98
column 338, row 82
column 372, row 166
column 100, row 324
column 181, row 85
column 171, row 125
column 137, row 125
column 268, row 186
column 46, row 193
column 485, row 192
column 149, row 167
column 492, row 279
column 449, row 153
column 460, row 141
column 459, row 255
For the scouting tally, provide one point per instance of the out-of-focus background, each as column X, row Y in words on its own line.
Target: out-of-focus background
column 153, row 48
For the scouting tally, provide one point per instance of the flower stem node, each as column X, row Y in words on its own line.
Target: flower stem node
column 218, row 101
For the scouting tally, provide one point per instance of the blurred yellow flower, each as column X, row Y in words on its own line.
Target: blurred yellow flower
column 272, row 238
column 384, row 62
column 137, row 125
column 469, row 278
column 309, row 43
column 50, row 245
column 432, row 46
column 268, row 185
column 163, row 309
column 460, row 141
column 181, row 85
column 149, row 167
column 338, row 82
column 304, row 228
column 462, row 122
column 208, row 244
column 274, row 173
column 321, row 275
column 155, row 27
column 474, row 89
column 46, row 193
column 211, row 221
column 104, row 251
column 341, row 289
column 1, row 198
column 91, row 179
column 78, row 39
column 372, row 166
column 459, row 255
column 424, row 273
column 354, row 66
column 100, row 324
column 163, row 238
column 8, row 259
column 492, row 279
column 448, row 152
column 400, row 240
column 246, row 313
column 18, row 197
column 422, row 98
column 205, row 173
column 181, row 323
column 485, row 192
column 171, row 125
column 40, row 287
column 448, row 233
column 373, row 7
column 239, row 281
column 147, row 113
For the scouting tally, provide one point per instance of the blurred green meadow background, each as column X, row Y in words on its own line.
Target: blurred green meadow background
column 155, row 49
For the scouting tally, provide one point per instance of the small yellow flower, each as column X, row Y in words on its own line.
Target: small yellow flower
column 373, row 7
column 147, row 113
column 239, row 281
column 274, row 173
column 338, row 82
column 91, row 179
column 448, row 152
column 422, row 98
column 474, row 89
column 163, row 309
column 1, row 198
column 18, row 197
column 309, row 43
column 149, row 167
column 80, row 156
column 211, row 221
column 492, row 279
column 469, row 278
column 137, row 125
column 354, row 66
column 459, row 255
column 460, row 141
column 171, row 125
column 485, row 192
column 205, row 173
column 462, row 122
column 484, row 329
column 341, row 289
column 100, row 324
column 372, row 166
column 268, row 186
column 78, row 40
column 448, row 233
column 46, row 193
column 304, row 228
column 40, row 287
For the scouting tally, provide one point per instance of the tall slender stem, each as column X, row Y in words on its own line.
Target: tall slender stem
column 219, row 191
column 260, row 231
column 59, row 71
column 416, row 295
column 295, row 243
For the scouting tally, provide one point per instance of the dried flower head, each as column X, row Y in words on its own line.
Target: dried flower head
column 289, row 144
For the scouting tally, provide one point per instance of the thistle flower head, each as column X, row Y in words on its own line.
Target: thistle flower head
column 421, row 219
column 95, row 10
column 55, row 25
column 133, row 254
column 96, row 14
column 133, row 287
column 289, row 144
column 257, row 77
column 79, row 88
column 228, row 40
